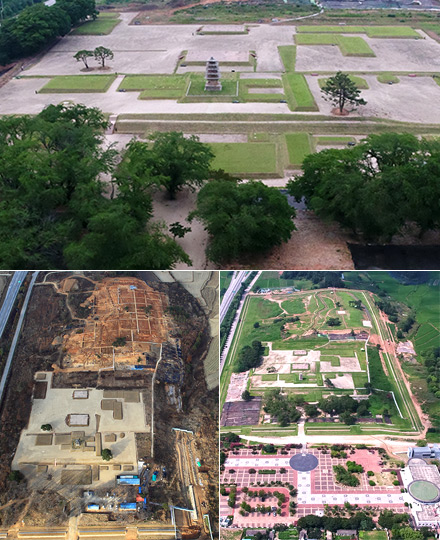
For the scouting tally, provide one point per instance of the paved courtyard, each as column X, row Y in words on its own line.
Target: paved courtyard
column 315, row 489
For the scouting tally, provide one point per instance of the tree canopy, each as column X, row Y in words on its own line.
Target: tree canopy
column 243, row 218
column 54, row 212
column 376, row 188
column 172, row 161
column 340, row 90
column 38, row 25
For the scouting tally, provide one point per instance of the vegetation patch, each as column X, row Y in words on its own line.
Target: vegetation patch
column 245, row 158
column 371, row 31
column 298, row 94
column 330, row 140
column 360, row 82
column 78, row 83
column 155, row 86
column 348, row 45
column 101, row 26
column 298, row 146
column 288, row 57
column 387, row 78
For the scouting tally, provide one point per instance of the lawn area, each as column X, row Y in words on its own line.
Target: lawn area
column 386, row 78
column 348, row 45
column 245, row 158
column 371, row 31
column 272, row 279
column 260, row 84
column 269, row 377
column 78, row 83
column 298, row 93
column 155, row 86
column 373, row 535
column 331, row 140
column 354, row 46
column 101, row 26
column 293, row 307
column 228, row 13
column 298, row 146
column 360, row 82
column 288, row 57
column 225, row 280
column 197, row 88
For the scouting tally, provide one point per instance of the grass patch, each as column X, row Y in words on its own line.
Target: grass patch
column 371, row 31
column 298, row 93
column 78, row 83
column 329, row 140
column 354, row 46
column 373, row 535
column 298, row 146
column 261, row 84
column 197, row 88
column 360, row 82
column 288, row 57
column 155, row 86
column 219, row 12
column 101, row 26
column 245, row 158
column 387, row 78
column 293, row 307
column 269, row 377
column 348, row 45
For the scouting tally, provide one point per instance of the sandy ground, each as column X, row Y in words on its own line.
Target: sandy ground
column 391, row 55
column 315, row 245
column 156, row 48
column 391, row 101
column 194, row 243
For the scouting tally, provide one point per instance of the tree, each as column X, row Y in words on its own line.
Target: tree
column 246, row 396
column 16, row 476
column 243, row 219
column 374, row 189
column 106, row 454
column 172, row 161
column 83, row 55
column 54, row 205
column 102, row 54
column 46, row 427
column 340, row 90
column 311, row 411
column 177, row 229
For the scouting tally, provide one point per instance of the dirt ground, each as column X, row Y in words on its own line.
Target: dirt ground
column 315, row 244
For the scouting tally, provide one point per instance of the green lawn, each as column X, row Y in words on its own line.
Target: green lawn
column 386, row 78
column 155, row 86
column 373, row 535
column 360, row 82
column 298, row 146
column 293, row 307
column 331, row 140
column 78, row 83
column 260, row 84
column 348, row 45
column 197, row 88
column 103, row 25
column 371, row 31
column 243, row 158
column 354, row 46
column 298, row 94
column 288, row 57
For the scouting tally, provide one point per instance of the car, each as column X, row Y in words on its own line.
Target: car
column 283, row 101
column 235, row 101
column 351, row 143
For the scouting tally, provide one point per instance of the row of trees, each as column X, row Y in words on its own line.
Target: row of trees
column 376, row 188
column 323, row 280
column 100, row 54
column 249, row 357
column 38, row 25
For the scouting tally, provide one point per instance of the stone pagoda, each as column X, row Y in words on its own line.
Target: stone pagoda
column 212, row 76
